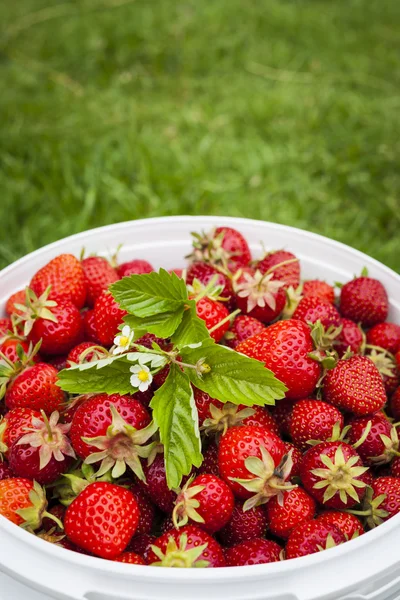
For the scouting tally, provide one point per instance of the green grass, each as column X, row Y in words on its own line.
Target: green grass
column 283, row 110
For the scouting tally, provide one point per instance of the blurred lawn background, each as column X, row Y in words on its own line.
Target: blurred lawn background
column 283, row 110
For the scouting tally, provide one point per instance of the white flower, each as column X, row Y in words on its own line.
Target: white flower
column 123, row 340
column 141, row 377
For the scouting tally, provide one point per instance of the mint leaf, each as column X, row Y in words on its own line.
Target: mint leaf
column 174, row 411
column 162, row 325
column 233, row 377
column 192, row 329
column 150, row 294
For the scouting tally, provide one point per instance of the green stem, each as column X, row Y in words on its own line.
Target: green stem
column 230, row 317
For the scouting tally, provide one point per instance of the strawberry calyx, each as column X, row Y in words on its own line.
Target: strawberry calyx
column 178, row 556
column 50, row 437
column 224, row 418
column 207, row 247
column 338, row 435
column 95, row 352
column 186, row 504
column 382, row 359
column 293, row 297
column 372, row 511
column 269, row 480
column 121, row 446
column 9, row 370
column 340, row 476
column 197, row 290
column 33, row 515
column 35, row 308
column 329, row 543
column 391, row 445
column 70, row 485
column 51, row 536
column 259, row 289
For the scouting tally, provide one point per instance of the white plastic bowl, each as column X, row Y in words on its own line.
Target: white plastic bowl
column 365, row 568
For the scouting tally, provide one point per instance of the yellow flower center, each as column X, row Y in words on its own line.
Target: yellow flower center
column 143, row 375
column 124, row 340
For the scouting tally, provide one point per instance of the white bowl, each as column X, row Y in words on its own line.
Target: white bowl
column 365, row 568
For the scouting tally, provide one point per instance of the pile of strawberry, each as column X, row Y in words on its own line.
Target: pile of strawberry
column 87, row 472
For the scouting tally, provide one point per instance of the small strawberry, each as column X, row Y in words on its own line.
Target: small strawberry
column 311, row 537
column 284, row 347
column 14, row 425
column 99, row 274
column 386, row 336
column 155, row 485
column 312, row 309
column 102, row 519
column 222, row 417
column 9, row 348
column 283, row 265
column 146, row 510
column 348, row 524
column 314, row 420
column 108, row 316
column 210, row 461
column 16, row 298
column 36, row 387
column 206, row 501
column 243, row 525
column 364, row 300
column 5, row 326
column 5, row 471
column 131, row 558
column 334, row 475
column 260, row 296
column 242, row 328
column 23, row 502
column 253, row 552
column 141, row 544
column 58, row 510
column 395, row 404
column 382, row 501
column 60, row 334
column 374, row 438
column 394, row 467
column 186, row 548
column 65, row 276
column 350, row 337
column 89, row 326
column 223, row 246
column 355, row 385
column 295, row 507
column 79, row 354
column 213, row 312
column 205, row 273
column 134, row 267
column 321, row 289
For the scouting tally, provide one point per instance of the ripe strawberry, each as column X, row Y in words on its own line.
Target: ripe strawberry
column 131, row 558
column 364, row 300
column 9, row 349
column 108, row 316
column 134, row 267
column 314, row 420
column 348, row 524
column 334, row 475
column 253, row 552
column 295, row 507
column 89, row 326
column 58, row 510
column 155, row 485
column 206, row 501
column 355, row 385
column 243, row 327
column 146, row 510
column 284, row 348
column 260, row 296
column 375, row 439
column 311, row 537
column 395, row 404
column 243, row 525
column 5, row 326
column 16, row 298
column 102, row 519
column 387, row 368
column 35, row 387
column 141, row 544
column 385, row 335
column 210, row 461
column 382, row 501
column 79, row 351
column 5, row 471
column 44, row 453
column 397, row 359
column 282, row 413
column 212, row 312
column 187, row 547
column 205, row 273
column 111, row 429
column 203, row 403
column 349, row 337
column 222, row 246
column 14, row 425
column 98, row 274
column 243, row 451
column 297, row 458
column 23, row 502
column 312, row 309
column 61, row 336
column 394, row 467
column 65, row 276
column 288, row 273
column 321, row 289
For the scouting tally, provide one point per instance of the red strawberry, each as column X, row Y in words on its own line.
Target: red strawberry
column 313, row 420
column 223, row 246
column 205, row 273
column 244, row 525
column 289, row 273
column 297, row 457
column 58, row 510
column 311, row 537
column 210, row 461
column 79, row 351
column 385, row 335
column 134, row 267
column 394, row 467
column 207, row 501
column 397, row 359
column 9, row 349
column 44, row 453
column 102, row 519
column 5, row 471
column 131, row 558
column 349, row 337
column 284, row 348
column 212, row 312
column 395, row 404
column 386, row 367
column 16, row 298
column 253, row 552
column 23, row 502
column 315, row 287
column 65, row 276
column 355, row 385
column 312, row 309
column 5, row 326
column 14, row 425
column 61, row 336
column 348, row 524
column 36, row 387
column 146, row 510
column 375, row 439
column 186, row 547
column 93, row 438
column 141, row 544
column 243, row 327
column 295, row 507
column 382, row 501
column 245, row 450
column 108, row 316
column 282, row 413
column 334, row 475
column 89, row 326
column 260, row 296
column 364, row 300
column 155, row 485
column 99, row 274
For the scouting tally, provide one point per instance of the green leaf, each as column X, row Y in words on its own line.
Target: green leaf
column 150, row 294
column 110, row 375
column 175, row 413
column 233, row 377
column 192, row 329
column 162, row 325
